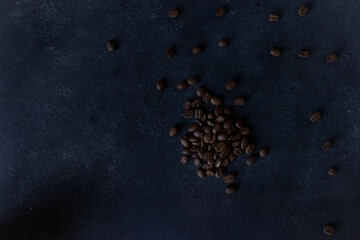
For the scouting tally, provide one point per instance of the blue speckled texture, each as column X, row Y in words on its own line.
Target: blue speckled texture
column 84, row 146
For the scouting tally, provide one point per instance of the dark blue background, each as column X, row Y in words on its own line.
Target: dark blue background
column 84, row 146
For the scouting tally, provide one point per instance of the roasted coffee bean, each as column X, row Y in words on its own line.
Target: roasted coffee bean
column 217, row 128
column 200, row 153
column 220, row 146
column 201, row 173
column 197, row 161
column 210, row 148
column 303, row 10
column 207, row 138
column 227, row 111
column 236, row 144
column 198, row 121
column 196, row 143
column 193, row 139
column 211, row 116
column 200, row 91
column 203, row 118
column 211, row 162
column 210, row 173
column 194, row 149
column 187, row 105
column 244, row 143
column 219, row 173
column 331, row 57
column 239, row 124
column 196, row 103
column 229, row 178
column 194, row 155
column 184, row 159
column 208, row 156
column 216, row 156
column 227, row 132
column 225, row 162
column 202, row 144
column 231, row 156
column 188, row 114
column 236, row 137
column 228, row 124
column 224, row 153
column 206, row 97
column 173, row 131
column 223, row 43
column 198, row 113
column 198, row 134
column 245, row 131
column 220, row 12
column 238, row 151
column 275, row 52
column 251, row 160
column 303, row 53
column 219, row 111
column 315, row 116
column 263, row 152
column 273, row 17
column 220, row 119
column 222, row 137
column 231, row 189
column 161, row 85
column 207, row 166
column 240, row 101
column 182, row 85
column 174, row 13
column 198, row 49
column 216, row 100
column 328, row 230
column 231, row 85
column 193, row 127
column 218, row 163
column 327, row 145
column 210, row 123
column 169, row 53
column 193, row 81
column 206, row 129
column 250, row 149
column 186, row 151
column 213, row 140
column 332, row 171
column 185, row 142
column 111, row 45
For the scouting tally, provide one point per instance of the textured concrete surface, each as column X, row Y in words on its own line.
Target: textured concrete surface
column 84, row 146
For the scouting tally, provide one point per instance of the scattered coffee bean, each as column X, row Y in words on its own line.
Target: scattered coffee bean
column 184, row 159
column 240, row 101
column 303, row 10
column 223, row 43
column 198, row 113
column 328, row 230
column 187, row 105
column 111, row 45
column 219, row 111
column 185, row 142
column 193, row 81
column 327, row 145
column 245, row 131
column 227, row 111
column 315, row 117
column 220, row 12
column 174, row 13
column 188, row 114
column 332, row 171
column 196, row 103
column 200, row 91
column 193, row 127
column 273, row 17
column 222, row 137
column 201, row 173
column 219, row 173
column 197, row 161
column 231, row 85
column 229, row 178
column 182, row 85
column 331, row 57
column 250, row 149
column 160, row 85
column 198, row 134
column 238, row 151
column 174, row 131
column 169, row 53
column 210, row 173
column 216, row 100
column 275, row 52
column 303, row 53
column 231, row 189
column 244, row 143
column 186, row 151
column 251, row 160
column 206, row 97
column 198, row 49
column 263, row 152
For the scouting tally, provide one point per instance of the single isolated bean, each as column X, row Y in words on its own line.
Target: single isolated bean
column 182, row 85
column 169, row 53
column 263, row 152
column 315, row 117
column 327, row 145
column 173, row 131
column 240, row 101
column 216, row 100
column 193, row 81
column 251, row 160
column 160, row 85
column 220, row 12
column 174, row 13
column 231, row 189
column 198, row 49
column 332, row 171
column 184, row 159
column 331, row 57
column 201, row 173
column 276, row 52
column 223, row 43
column 328, row 230
column 231, row 85
column 229, row 178
column 273, row 17
column 303, row 53
column 303, row 10
column 111, row 45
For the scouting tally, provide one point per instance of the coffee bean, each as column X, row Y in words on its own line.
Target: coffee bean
column 231, row 85
column 185, row 142
column 169, row 53
column 210, row 173
column 223, row 43
column 193, row 81
column 220, row 119
column 216, row 100
column 173, row 131
column 263, row 152
column 207, row 138
column 187, row 105
column 196, row 103
column 193, row 149
column 198, row 49
column 332, row 171
column 245, row 131
column 236, row 137
column 198, row 113
column 219, row 111
column 211, row 162
column 303, row 10
column 186, row 151
column 303, row 53
column 231, row 157
column 220, row 12
column 203, row 118
column 206, row 129
column 207, row 167
column 188, row 114
column 197, row 161
column 236, row 144
column 198, row 134
column 239, row 124
column 315, row 116
column 229, row 178
column 200, row 91
column 194, row 155
column 217, row 128
column 200, row 153
column 209, row 156
column 206, row 97
column 193, row 127
column 210, row 123
column 219, row 173
column 211, row 116
column 238, row 151
column 227, row 111
column 184, row 159
column 224, row 153
column 250, row 160
column 160, row 85
column 275, row 52
column 222, row 137
column 182, row 85
column 250, row 149
column 174, row 13
column 218, row 163
column 201, row 173
column 244, row 143
column 331, row 57
column 328, row 230
column 231, row 189
column 111, row 45
column 225, row 162
column 240, row 101
column 228, row 124
column 273, row 17
column 327, row 145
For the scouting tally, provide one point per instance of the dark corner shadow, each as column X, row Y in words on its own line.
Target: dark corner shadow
column 48, row 215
